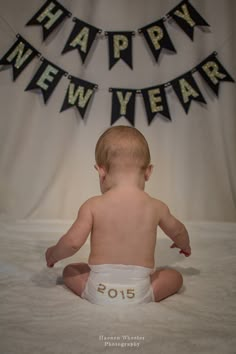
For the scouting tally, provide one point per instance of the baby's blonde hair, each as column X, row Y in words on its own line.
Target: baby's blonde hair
column 122, row 146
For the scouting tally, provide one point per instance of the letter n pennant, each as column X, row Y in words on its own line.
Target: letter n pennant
column 79, row 94
column 19, row 56
column 187, row 90
column 123, row 104
column 50, row 15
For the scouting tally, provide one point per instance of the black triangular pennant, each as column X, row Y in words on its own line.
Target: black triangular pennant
column 187, row 90
column 155, row 102
column 46, row 79
column 81, row 38
column 19, row 56
column 157, row 38
column 213, row 72
column 49, row 16
column 79, row 94
column 187, row 17
column 123, row 104
column 120, row 47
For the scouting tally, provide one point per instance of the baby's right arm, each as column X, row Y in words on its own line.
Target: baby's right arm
column 176, row 230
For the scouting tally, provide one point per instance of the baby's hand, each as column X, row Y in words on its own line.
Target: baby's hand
column 49, row 257
column 187, row 251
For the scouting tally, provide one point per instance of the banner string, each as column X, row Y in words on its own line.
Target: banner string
column 8, row 24
column 102, row 36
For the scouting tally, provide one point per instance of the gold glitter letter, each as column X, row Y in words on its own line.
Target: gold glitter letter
column 123, row 101
column 187, row 90
column 79, row 94
column 185, row 15
column 46, row 76
column 18, row 51
column 51, row 17
column 211, row 69
column 154, row 99
column 81, row 39
column 156, row 34
column 120, row 42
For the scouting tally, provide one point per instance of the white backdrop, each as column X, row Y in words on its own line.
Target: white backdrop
column 47, row 157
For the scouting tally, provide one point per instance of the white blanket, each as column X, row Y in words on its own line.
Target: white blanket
column 39, row 315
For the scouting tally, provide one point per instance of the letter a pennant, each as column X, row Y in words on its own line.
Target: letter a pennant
column 81, row 38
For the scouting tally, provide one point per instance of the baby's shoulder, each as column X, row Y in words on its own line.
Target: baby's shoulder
column 158, row 204
column 90, row 204
column 93, row 200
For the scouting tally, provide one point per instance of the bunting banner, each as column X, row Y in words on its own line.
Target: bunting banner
column 81, row 38
column 46, row 79
column 213, row 72
column 187, row 17
column 123, row 104
column 157, row 38
column 83, row 34
column 187, row 90
column 19, row 56
column 50, row 15
column 120, row 47
column 155, row 102
column 79, row 93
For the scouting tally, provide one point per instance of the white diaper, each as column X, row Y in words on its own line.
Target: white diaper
column 118, row 284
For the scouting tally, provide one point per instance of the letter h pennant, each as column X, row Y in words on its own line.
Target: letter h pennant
column 49, row 16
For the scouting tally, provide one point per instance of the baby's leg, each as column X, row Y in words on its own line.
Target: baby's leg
column 75, row 277
column 165, row 282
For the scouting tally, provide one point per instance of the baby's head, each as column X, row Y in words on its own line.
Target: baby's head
column 122, row 148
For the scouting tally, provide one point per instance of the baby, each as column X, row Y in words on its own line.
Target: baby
column 123, row 224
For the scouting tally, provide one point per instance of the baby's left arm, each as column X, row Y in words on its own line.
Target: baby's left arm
column 74, row 239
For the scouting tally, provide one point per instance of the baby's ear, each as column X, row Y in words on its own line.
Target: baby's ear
column 148, row 172
column 101, row 171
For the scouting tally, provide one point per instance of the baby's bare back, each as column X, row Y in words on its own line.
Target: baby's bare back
column 124, row 228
